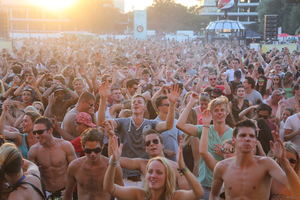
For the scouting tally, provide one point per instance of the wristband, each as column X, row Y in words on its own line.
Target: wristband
column 113, row 163
column 68, row 89
column 183, row 171
column 207, row 126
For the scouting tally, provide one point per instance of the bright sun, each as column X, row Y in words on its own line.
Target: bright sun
column 54, row 4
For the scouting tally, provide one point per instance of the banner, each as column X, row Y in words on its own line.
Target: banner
column 140, row 24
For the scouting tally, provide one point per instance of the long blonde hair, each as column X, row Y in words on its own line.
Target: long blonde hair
column 169, row 179
column 291, row 147
column 10, row 162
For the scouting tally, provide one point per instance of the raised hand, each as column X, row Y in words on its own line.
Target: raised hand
column 174, row 94
column 6, row 104
column 194, row 98
column 109, row 127
column 114, row 149
column 277, row 146
column 104, row 89
column 206, row 117
column 180, row 160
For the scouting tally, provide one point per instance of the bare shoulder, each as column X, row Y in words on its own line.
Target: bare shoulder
column 63, row 143
column 265, row 161
column 77, row 163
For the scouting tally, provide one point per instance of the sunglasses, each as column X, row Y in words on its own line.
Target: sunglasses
column 276, row 79
column 292, row 161
column 39, row 132
column 154, row 141
column 204, row 94
column 279, row 94
column 213, row 79
column 261, row 80
column 230, row 150
column 166, row 104
column 263, row 116
column 89, row 151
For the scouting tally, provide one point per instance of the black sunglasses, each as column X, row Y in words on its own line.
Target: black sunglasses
column 39, row 132
column 89, row 151
column 166, row 104
column 147, row 143
column 292, row 161
column 263, row 116
column 231, row 150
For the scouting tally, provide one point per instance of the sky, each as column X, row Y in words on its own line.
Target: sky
column 142, row 4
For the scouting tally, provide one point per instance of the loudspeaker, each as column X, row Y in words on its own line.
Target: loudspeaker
column 4, row 24
column 271, row 27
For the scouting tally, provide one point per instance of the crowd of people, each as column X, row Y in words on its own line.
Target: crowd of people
column 87, row 118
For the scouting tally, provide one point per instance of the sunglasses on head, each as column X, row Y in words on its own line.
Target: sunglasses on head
column 263, row 116
column 39, row 132
column 89, row 151
column 292, row 161
column 154, row 141
column 230, row 150
column 279, row 94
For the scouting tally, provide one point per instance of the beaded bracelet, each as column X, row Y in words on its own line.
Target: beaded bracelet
column 183, row 171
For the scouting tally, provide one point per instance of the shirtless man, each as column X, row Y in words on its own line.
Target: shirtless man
column 247, row 176
column 86, row 103
column 89, row 171
column 52, row 155
column 154, row 147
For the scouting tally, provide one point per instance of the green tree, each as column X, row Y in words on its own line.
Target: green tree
column 288, row 14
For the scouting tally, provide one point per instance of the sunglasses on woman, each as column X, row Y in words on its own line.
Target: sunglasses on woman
column 230, row 150
column 89, row 151
column 154, row 141
column 292, row 161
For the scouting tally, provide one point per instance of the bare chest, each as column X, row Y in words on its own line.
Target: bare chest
column 91, row 179
column 251, row 183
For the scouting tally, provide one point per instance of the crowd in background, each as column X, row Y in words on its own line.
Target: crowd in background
column 81, row 83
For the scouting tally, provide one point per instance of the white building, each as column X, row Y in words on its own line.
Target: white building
column 245, row 11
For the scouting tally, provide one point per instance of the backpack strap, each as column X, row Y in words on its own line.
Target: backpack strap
column 33, row 186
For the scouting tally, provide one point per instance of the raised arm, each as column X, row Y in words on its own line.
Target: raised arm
column 197, row 191
column 130, row 193
column 210, row 161
column 104, row 90
column 291, row 179
column 173, row 96
column 181, row 123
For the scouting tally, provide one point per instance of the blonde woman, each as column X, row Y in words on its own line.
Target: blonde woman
column 160, row 179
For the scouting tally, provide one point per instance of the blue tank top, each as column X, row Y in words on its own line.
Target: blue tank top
column 24, row 147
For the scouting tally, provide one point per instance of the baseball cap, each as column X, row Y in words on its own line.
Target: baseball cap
column 217, row 92
column 85, row 118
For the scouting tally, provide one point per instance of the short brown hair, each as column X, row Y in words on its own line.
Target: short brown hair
column 92, row 134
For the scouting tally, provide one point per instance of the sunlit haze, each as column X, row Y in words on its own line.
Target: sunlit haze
column 53, row 4
column 142, row 4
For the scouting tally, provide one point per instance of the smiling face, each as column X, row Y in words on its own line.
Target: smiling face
column 44, row 137
column 156, row 175
column 285, row 114
column 27, row 124
column 219, row 113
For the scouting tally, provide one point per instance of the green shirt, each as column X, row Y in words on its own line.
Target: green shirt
column 205, row 176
